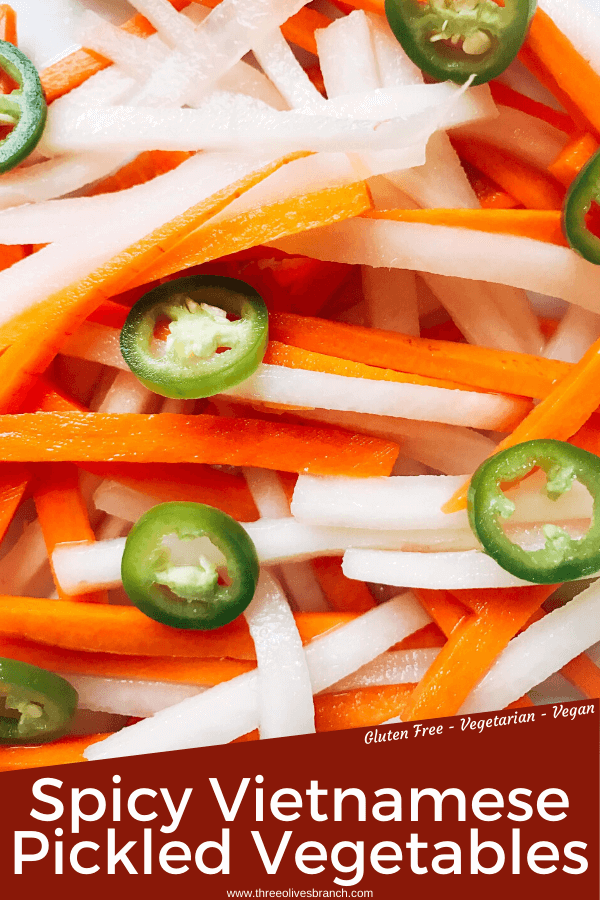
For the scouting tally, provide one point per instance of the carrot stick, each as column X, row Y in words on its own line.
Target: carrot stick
column 537, row 224
column 472, row 648
column 343, row 593
column 530, row 186
column 14, row 481
column 573, row 157
column 143, row 168
column 559, row 415
column 58, row 753
column 428, row 636
column 362, row 707
column 179, row 670
column 260, row 226
column 445, row 609
column 506, row 96
column 190, row 482
column 174, row 438
column 489, row 194
column 63, row 515
column 105, row 628
column 36, row 334
column 374, row 6
column 547, row 44
column 8, row 24
column 495, row 370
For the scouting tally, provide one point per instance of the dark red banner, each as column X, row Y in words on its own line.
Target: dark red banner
column 509, row 799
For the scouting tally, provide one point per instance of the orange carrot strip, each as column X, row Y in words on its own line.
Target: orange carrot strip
column 173, row 438
column 362, row 707
column 58, row 753
column 472, row 648
column 572, row 158
column 8, row 24
column 520, row 703
column 35, row 335
column 63, row 515
column 489, row 194
column 104, row 628
column 495, row 370
column 559, row 415
column 428, row 636
column 14, row 481
column 537, row 224
column 530, row 186
column 445, row 609
column 143, row 168
column 179, row 670
column 259, row 226
column 342, row 593
column 506, row 96
column 545, row 77
column 374, row 6
column 581, row 672
column 546, row 43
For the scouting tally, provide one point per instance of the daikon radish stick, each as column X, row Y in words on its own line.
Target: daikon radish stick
column 543, row 648
column 24, row 561
column 302, row 585
column 391, row 296
column 392, row 667
column 230, row 710
column 577, row 331
column 499, row 258
column 96, row 343
column 394, row 66
column 415, row 502
column 112, row 527
column 346, row 56
column 267, row 492
column 435, row 571
column 285, row 704
column 301, row 387
column 127, row 395
column 128, row 697
column 451, row 449
column 175, row 29
column 278, row 62
column 134, row 55
column 79, row 566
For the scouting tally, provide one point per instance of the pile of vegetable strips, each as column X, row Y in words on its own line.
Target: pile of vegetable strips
column 408, row 251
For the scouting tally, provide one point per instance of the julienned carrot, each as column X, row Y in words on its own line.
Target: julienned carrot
column 573, row 157
column 530, row 186
column 429, row 636
column 506, row 96
column 489, row 194
column 559, row 415
column 62, row 514
column 445, row 609
column 174, row 438
column 495, row 370
column 143, row 168
column 14, row 481
column 472, row 648
column 58, row 753
column 546, row 44
column 362, row 707
column 374, row 6
column 342, row 593
column 179, row 670
column 105, row 628
column 259, row 226
column 537, row 224
column 34, row 337
column 8, row 24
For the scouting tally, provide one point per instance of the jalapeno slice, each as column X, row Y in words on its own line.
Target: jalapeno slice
column 188, row 565
column 563, row 558
column 581, row 212
column 455, row 39
column 24, row 108
column 216, row 332
column 43, row 703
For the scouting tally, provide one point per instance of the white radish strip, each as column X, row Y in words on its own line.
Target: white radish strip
column 578, row 329
column 391, row 296
column 436, row 571
column 134, row 55
column 499, row 258
column 267, row 493
column 112, row 527
column 473, row 307
column 302, row 585
column 78, row 566
column 392, row 667
column 174, row 29
column 322, row 390
column 346, row 56
column 110, row 85
column 415, row 502
column 180, row 407
column 394, row 67
column 229, row 710
column 540, row 650
column 37, row 276
column 285, row 704
column 451, row 449
column 127, row 395
column 120, row 500
column 525, row 136
column 128, row 697
column 24, row 561
column 278, row 62
column 579, row 23
column 95, row 343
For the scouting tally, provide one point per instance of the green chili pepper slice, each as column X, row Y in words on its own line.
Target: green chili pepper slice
column 43, row 703
column 455, row 39
column 217, row 337
column 563, row 558
column 581, row 212
column 24, row 108
column 207, row 592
